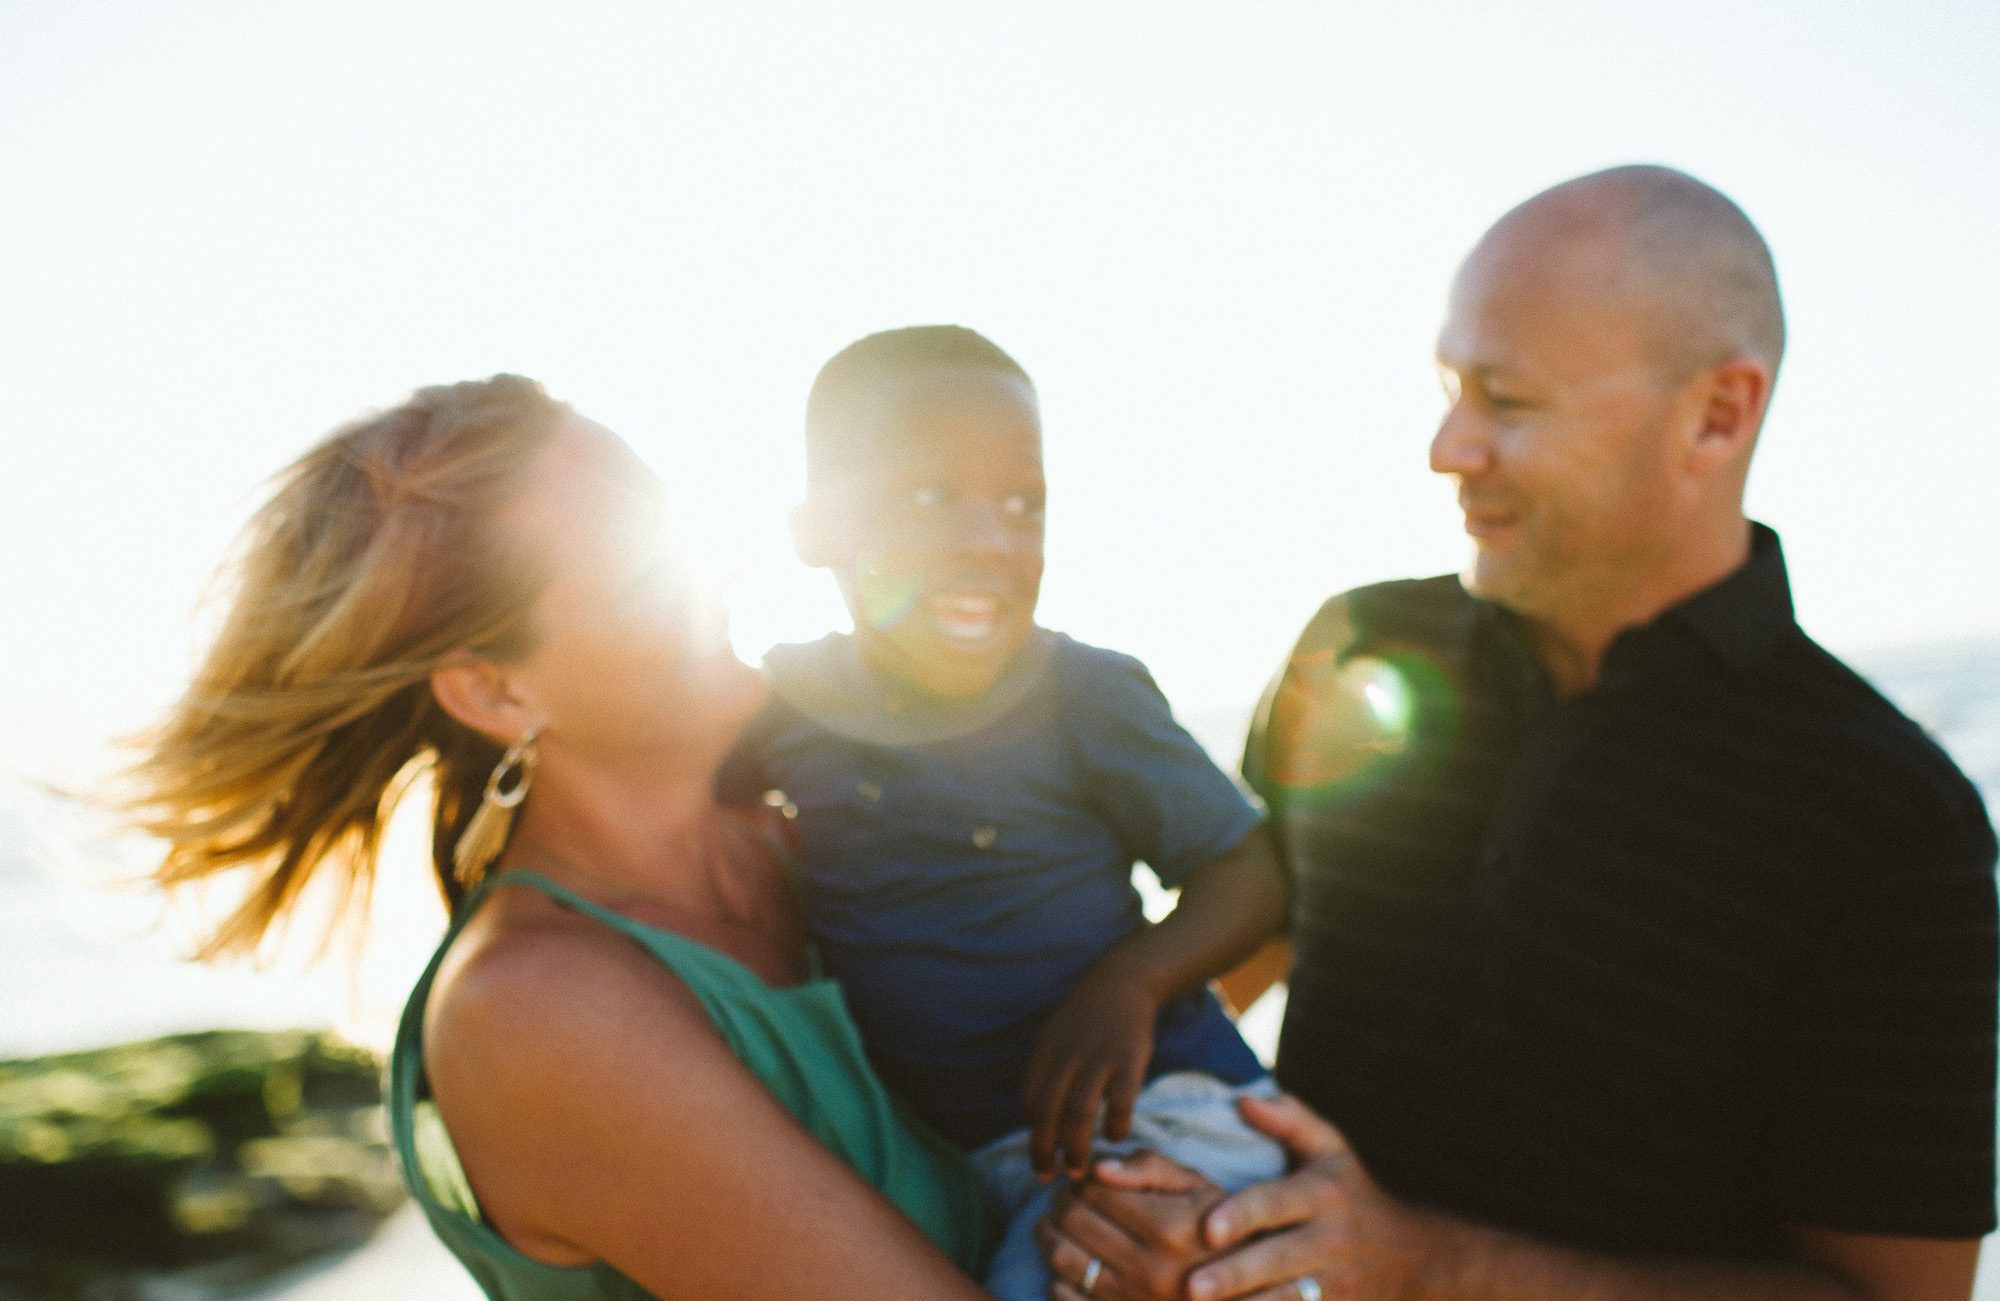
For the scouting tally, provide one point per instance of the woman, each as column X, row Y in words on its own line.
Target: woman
column 617, row 1078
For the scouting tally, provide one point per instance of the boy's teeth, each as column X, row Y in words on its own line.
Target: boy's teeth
column 966, row 617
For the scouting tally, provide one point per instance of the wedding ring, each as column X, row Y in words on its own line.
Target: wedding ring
column 1090, row 1273
column 1308, row 1288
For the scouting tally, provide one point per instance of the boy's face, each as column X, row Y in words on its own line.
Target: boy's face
column 940, row 551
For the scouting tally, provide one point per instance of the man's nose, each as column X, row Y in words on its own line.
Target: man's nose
column 1460, row 446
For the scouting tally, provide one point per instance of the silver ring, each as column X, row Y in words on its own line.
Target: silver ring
column 1090, row 1273
column 1308, row 1288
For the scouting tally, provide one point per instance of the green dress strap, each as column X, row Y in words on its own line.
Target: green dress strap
column 799, row 1041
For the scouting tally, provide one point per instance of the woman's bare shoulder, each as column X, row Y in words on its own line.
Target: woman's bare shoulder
column 592, row 1102
column 540, row 1012
column 527, row 973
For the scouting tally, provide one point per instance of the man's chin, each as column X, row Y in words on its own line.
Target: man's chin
column 1491, row 578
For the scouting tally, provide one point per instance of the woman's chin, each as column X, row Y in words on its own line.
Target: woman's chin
column 730, row 695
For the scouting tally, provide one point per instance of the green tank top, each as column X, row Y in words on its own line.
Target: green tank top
column 800, row 1041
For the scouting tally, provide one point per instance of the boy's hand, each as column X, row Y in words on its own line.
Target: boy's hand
column 1091, row 1057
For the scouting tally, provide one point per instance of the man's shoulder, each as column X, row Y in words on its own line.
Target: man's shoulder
column 1408, row 610
column 1411, row 602
column 1881, row 770
column 1841, row 709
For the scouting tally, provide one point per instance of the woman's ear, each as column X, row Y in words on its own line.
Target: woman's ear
column 477, row 694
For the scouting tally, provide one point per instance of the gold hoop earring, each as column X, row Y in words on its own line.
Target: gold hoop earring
column 486, row 834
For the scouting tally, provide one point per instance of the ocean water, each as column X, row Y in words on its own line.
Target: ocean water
column 1954, row 691
column 92, row 957
column 83, row 964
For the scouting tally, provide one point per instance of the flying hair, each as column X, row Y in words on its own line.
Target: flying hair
column 374, row 561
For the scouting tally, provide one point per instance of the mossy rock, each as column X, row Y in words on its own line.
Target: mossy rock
column 236, row 1153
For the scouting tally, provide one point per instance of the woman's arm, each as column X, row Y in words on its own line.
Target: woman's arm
column 599, row 1115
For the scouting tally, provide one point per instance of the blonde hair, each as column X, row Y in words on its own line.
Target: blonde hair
column 375, row 561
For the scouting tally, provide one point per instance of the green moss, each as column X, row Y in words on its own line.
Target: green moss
column 232, row 1153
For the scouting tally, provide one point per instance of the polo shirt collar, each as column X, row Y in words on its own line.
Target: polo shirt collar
column 1740, row 619
column 1747, row 615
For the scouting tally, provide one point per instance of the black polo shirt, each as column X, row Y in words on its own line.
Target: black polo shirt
column 1662, row 967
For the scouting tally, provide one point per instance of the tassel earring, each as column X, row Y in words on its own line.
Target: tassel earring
column 486, row 834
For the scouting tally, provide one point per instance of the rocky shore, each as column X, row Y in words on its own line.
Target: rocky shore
column 192, row 1166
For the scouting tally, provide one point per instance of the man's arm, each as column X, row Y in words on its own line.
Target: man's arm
column 1329, row 1221
column 1093, row 1052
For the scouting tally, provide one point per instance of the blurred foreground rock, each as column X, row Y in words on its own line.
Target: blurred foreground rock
column 194, row 1166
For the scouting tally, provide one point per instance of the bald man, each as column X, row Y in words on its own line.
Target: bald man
column 1642, row 950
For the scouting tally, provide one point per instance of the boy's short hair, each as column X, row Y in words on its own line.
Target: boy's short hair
column 837, row 436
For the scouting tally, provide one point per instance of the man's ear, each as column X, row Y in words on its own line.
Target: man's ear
column 1730, row 411
column 476, row 693
column 816, row 533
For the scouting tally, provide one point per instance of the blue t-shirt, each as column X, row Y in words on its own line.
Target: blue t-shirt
column 966, row 861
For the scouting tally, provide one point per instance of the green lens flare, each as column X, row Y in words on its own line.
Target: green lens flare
column 1337, row 725
column 887, row 591
column 1391, row 702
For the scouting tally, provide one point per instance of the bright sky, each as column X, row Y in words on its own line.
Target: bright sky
column 1218, row 235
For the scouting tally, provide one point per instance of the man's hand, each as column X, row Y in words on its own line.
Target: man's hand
column 1140, row 1219
column 1091, row 1059
column 1161, row 1232
column 1326, row 1220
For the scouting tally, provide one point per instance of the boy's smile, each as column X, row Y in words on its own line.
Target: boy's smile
column 967, row 619
column 944, row 557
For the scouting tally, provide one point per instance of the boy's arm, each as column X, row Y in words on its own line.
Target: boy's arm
column 1094, row 1049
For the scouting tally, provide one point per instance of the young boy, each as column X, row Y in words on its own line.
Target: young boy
column 971, row 794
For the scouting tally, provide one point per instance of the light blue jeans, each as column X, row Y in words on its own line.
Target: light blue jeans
column 1189, row 1117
